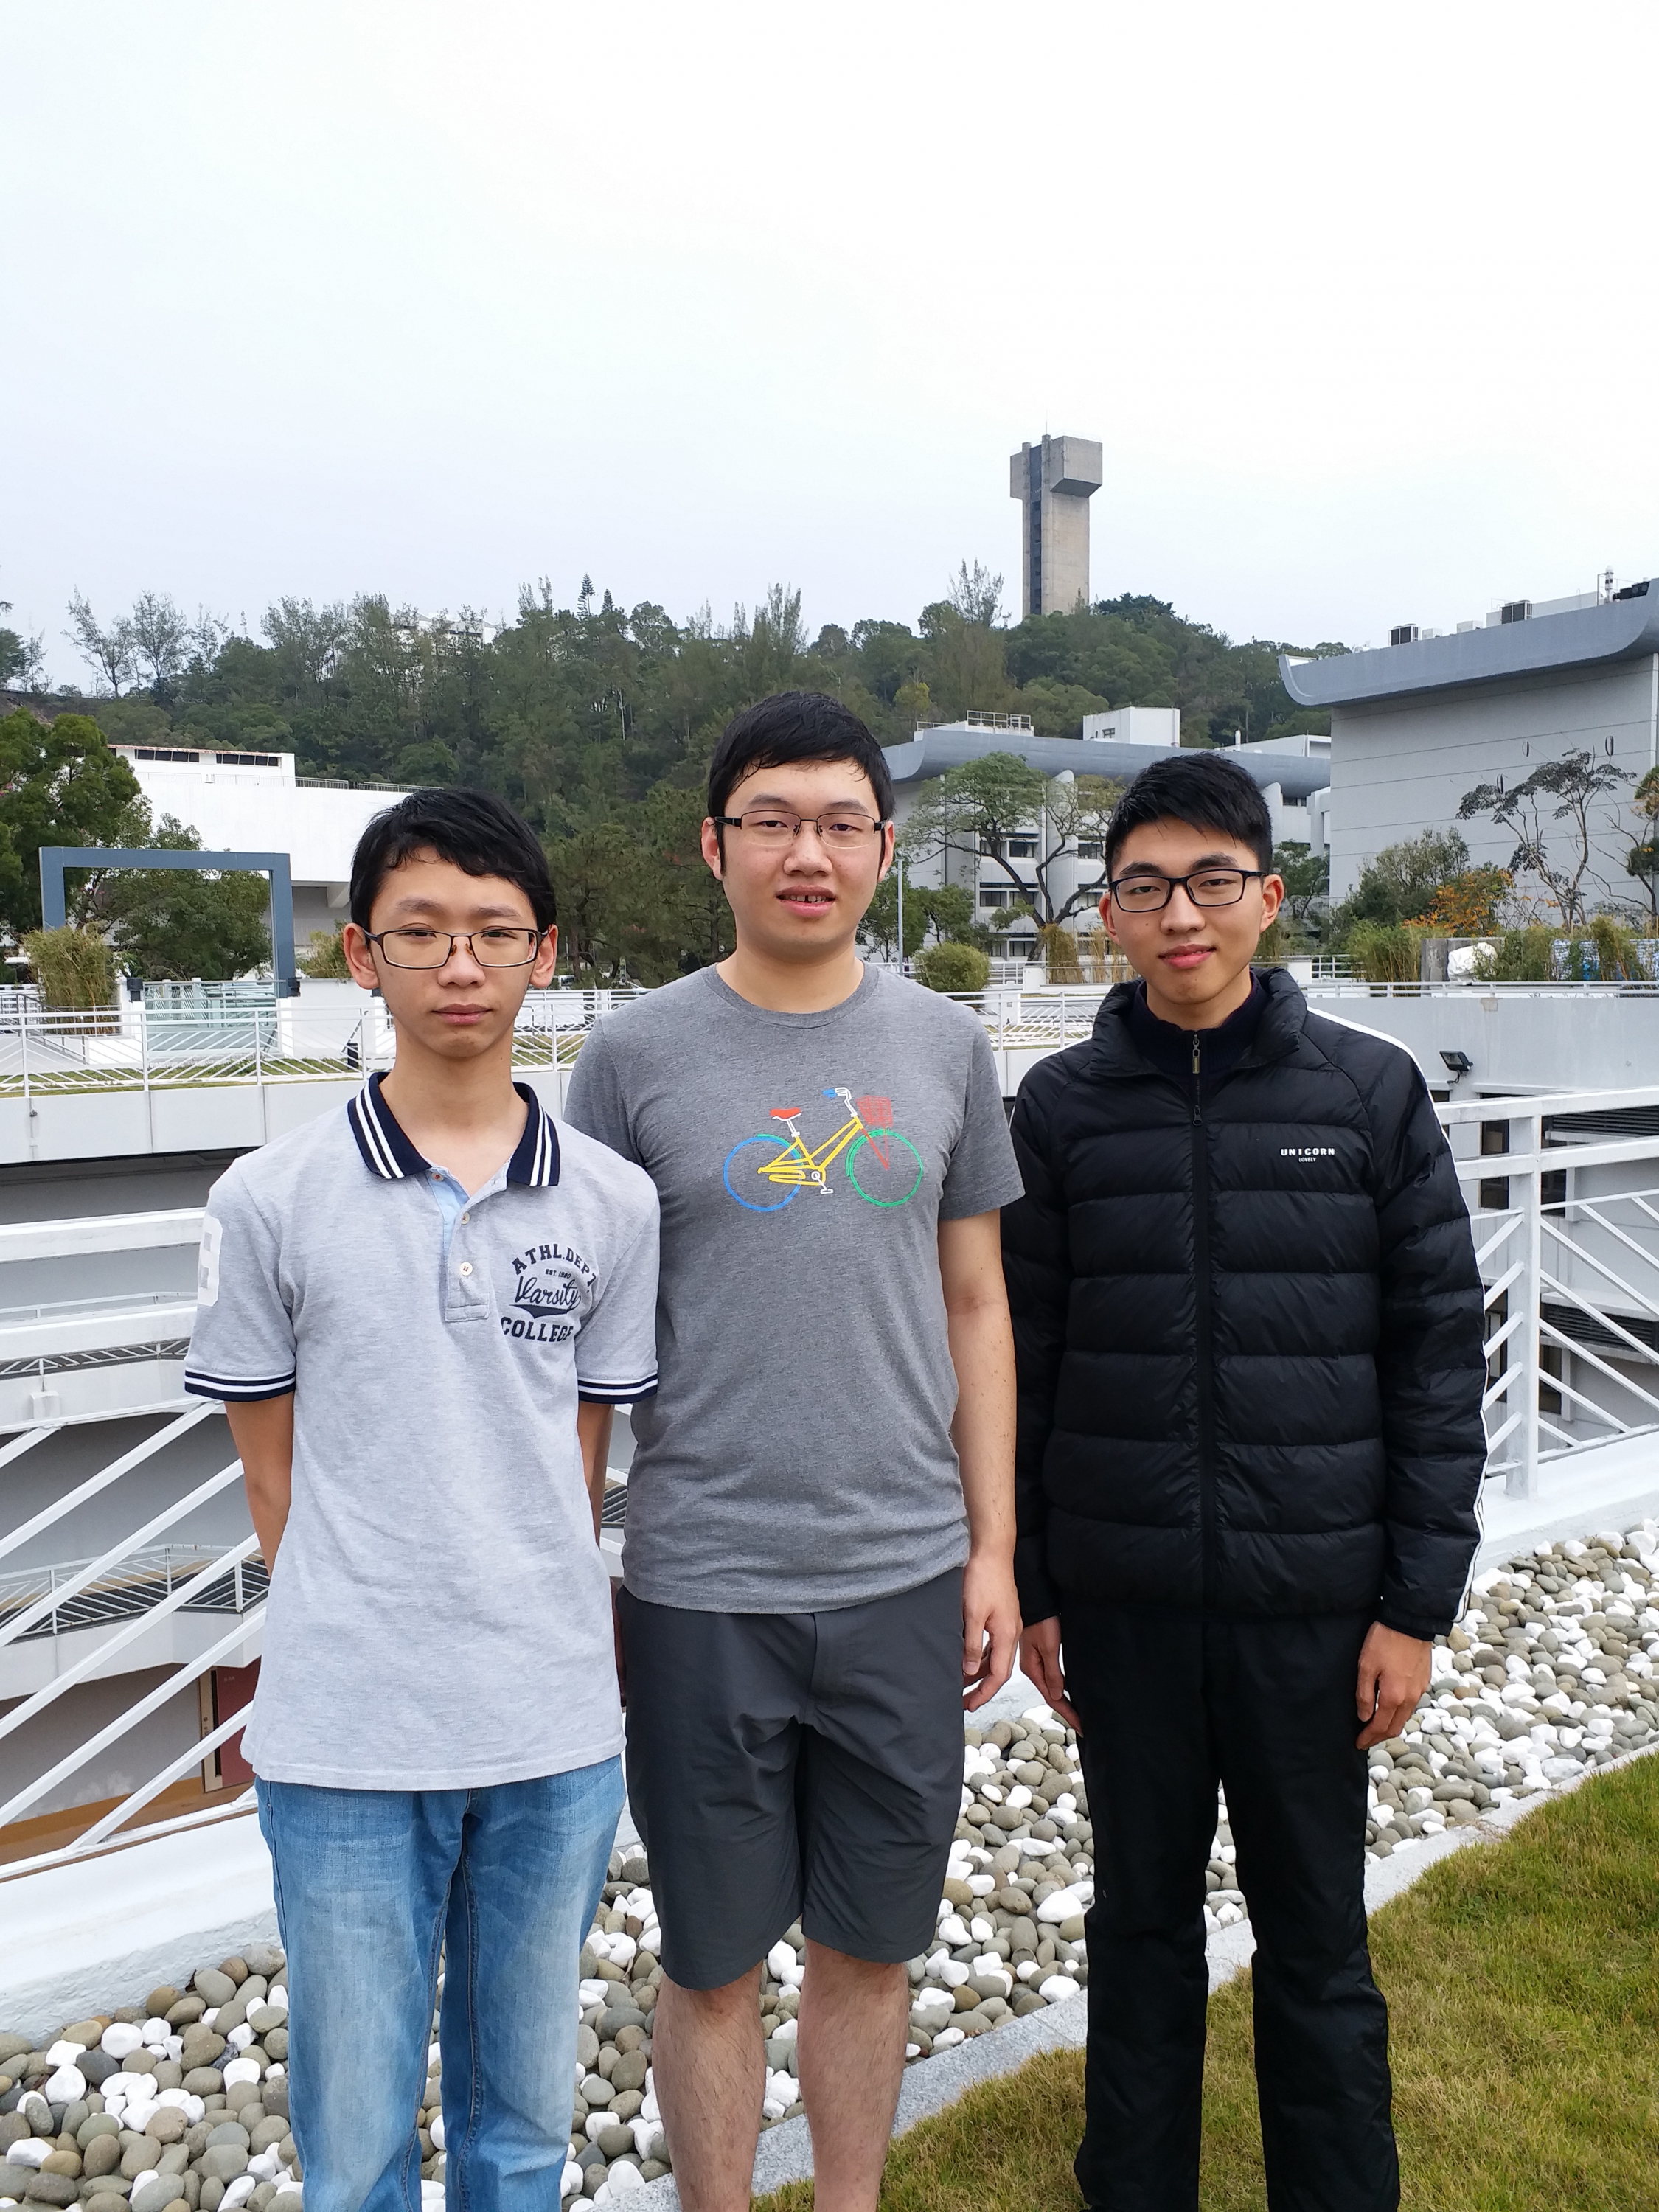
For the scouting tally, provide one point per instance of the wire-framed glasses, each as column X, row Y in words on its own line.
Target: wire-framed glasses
column 419, row 947
column 843, row 831
column 1207, row 887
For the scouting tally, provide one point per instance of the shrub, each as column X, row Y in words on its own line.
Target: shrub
column 1057, row 949
column 953, row 968
column 1384, row 952
column 324, row 957
column 1523, row 956
column 73, row 969
column 1615, row 950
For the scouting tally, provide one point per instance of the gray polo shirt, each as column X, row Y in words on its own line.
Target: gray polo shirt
column 439, row 1616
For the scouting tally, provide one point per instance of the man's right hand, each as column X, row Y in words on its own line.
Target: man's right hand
column 1039, row 1656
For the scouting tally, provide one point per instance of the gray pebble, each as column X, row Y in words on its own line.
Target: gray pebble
column 215, row 1988
column 156, row 2196
column 223, row 2161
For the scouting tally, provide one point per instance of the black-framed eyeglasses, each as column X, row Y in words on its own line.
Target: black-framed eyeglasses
column 1206, row 887
column 844, row 831
column 418, row 947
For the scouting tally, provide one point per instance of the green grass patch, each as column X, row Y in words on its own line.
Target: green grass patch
column 1523, row 1981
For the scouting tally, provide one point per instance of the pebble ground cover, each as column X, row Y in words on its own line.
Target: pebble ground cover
column 182, row 2100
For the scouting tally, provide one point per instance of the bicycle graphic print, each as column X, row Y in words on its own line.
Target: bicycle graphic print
column 764, row 1172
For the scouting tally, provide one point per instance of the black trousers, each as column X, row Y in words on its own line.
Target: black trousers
column 1169, row 1708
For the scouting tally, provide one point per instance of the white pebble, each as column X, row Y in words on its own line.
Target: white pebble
column 155, row 2030
column 953, row 1973
column 953, row 1931
column 947, row 2037
column 264, row 2165
column 65, row 2054
column 241, row 2036
column 570, row 2181
column 241, row 2069
column 436, row 2131
column 120, row 2040
column 29, row 2152
column 981, row 1884
column 1057, row 1989
column 65, row 2086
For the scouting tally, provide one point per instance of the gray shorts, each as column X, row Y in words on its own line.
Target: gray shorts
column 785, row 1765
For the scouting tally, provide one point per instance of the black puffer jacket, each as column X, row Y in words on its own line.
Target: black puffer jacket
column 1248, row 1325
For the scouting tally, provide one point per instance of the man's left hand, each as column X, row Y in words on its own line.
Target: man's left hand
column 1394, row 1672
column 990, row 1628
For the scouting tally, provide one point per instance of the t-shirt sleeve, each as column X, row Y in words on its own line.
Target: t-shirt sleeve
column 242, row 1345
column 594, row 1103
column 982, row 1174
column 616, row 1346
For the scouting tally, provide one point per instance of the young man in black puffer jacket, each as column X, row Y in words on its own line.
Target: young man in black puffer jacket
column 1248, row 1319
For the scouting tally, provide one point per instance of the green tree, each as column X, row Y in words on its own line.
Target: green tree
column 1307, row 881
column 1643, row 862
column 978, row 809
column 1402, row 882
column 179, row 924
column 1575, row 783
column 325, row 955
column 73, row 968
column 112, row 653
column 59, row 785
column 945, row 910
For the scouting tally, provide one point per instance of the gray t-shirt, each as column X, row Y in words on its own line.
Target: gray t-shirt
column 440, row 1617
column 797, row 1456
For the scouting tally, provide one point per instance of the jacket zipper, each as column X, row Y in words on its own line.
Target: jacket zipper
column 1204, row 1366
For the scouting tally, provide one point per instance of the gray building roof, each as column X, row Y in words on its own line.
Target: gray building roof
column 932, row 751
column 1622, row 628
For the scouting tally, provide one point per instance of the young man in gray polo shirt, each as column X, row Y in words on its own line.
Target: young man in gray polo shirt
column 819, row 1547
column 419, row 1311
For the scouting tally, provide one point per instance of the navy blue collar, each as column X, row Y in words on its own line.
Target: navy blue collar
column 384, row 1148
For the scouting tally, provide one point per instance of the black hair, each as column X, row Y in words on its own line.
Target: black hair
column 1205, row 790
column 473, row 829
column 790, row 727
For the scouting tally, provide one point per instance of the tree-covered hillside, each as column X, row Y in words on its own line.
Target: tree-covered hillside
column 598, row 721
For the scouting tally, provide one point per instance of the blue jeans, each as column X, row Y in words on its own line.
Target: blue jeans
column 369, row 1884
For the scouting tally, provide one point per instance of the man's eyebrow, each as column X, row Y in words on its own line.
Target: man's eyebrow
column 831, row 806
column 413, row 903
column 1204, row 861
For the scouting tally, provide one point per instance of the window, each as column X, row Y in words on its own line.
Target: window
column 249, row 760
column 1013, row 848
column 995, row 895
column 1091, row 848
column 162, row 753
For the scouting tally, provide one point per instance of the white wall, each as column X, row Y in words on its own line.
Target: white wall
column 1402, row 766
column 264, row 810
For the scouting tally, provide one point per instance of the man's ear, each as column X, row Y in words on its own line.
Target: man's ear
column 711, row 849
column 359, row 957
column 1106, row 921
column 1272, row 898
column 890, row 848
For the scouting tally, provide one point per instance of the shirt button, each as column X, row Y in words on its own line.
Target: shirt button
column 466, row 1267
column 466, row 1217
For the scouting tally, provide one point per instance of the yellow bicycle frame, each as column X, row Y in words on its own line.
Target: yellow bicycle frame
column 803, row 1169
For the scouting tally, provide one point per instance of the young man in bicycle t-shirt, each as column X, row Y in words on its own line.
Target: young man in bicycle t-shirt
column 819, row 1544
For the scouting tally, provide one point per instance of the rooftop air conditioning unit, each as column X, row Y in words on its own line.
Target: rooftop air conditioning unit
column 1404, row 634
column 1515, row 611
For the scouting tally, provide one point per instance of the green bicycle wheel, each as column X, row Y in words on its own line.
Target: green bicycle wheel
column 894, row 1184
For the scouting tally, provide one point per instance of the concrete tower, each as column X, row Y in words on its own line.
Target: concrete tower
column 1053, row 483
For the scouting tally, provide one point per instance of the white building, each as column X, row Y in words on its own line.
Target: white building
column 1290, row 780
column 247, row 802
column 1418, row 723
column 1134, row 725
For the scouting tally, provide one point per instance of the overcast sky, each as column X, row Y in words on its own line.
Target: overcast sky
column 432, row 300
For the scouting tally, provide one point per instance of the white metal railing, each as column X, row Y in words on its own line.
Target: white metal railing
column 133, row 1047
column 136, row 1583
column 1567, row 1230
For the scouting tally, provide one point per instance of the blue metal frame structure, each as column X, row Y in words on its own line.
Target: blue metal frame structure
column 54, row 858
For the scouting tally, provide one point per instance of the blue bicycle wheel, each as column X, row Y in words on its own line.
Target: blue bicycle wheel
column 744, row 1179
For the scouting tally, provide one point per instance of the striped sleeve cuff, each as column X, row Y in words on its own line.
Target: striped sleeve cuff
column 239, row 1390
column 614, row 1394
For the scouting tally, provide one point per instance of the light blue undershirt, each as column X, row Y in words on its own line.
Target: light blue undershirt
column 452, row 1201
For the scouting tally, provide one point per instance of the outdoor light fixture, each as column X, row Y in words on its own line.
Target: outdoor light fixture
column 1458, row 1065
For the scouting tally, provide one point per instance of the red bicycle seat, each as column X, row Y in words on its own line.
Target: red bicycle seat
column 784, row 1113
